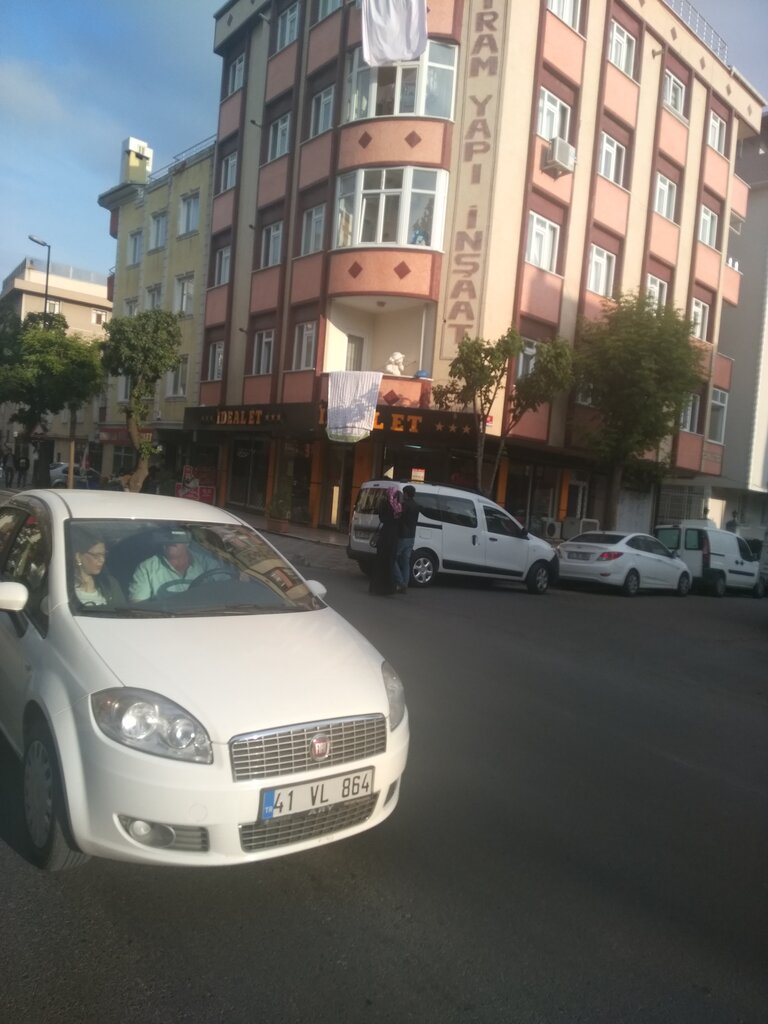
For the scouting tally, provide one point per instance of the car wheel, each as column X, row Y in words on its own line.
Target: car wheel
column 683, row 585
column 717, row 586
column 423, row 569
column 537, row 580
column 631, row 583
column 759, row 588
column 44, row 815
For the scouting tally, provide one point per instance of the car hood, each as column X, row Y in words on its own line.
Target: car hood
column 246, row 672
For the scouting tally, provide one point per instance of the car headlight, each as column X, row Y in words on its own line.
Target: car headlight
column 395, row 694
column 151, row 723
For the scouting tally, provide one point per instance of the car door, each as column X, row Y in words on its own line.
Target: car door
column 506, row 549
column 743, row 570
column 463, row 536
column 665, row 568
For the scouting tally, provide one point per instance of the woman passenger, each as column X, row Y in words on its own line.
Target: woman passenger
column 93, row 586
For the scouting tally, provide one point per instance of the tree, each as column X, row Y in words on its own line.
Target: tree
column 479, row 372
column 142, row 348
column 639, row 367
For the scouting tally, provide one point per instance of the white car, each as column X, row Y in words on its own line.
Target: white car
column 631, row 561
column 178, row 693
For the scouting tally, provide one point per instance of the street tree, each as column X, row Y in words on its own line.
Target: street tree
column 639, row 368
column 480, row 371
column 142, row 348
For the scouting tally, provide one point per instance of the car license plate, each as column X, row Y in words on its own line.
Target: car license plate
column 309, row 796
column 579, row 555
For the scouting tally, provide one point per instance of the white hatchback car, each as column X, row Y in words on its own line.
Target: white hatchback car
column 631, row 561
column 178, row 693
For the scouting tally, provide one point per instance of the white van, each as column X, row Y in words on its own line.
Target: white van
column 718, row 560
column 459, row 533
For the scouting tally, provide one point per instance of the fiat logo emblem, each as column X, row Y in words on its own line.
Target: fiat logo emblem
column 319, row 747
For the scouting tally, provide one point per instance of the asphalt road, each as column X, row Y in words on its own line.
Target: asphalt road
column 581, row 837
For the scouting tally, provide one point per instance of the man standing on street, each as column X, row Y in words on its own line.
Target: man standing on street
column 408, row 520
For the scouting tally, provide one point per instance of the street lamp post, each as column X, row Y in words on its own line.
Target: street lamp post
column 39, row 241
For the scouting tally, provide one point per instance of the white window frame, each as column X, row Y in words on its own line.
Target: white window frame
column 674, row 93
column 708, row 225
column 123, row 390
column 184, row 297
column 327, row 7
column 305, row 345
column 176, row 379
column 355, row 355
column 656, row 288
column 665, row 197
column 131, row 306
column 216, row 360
column 279, row 137
column 53, row 307
column 422, row 88
column 158, row 235
column 700, row 319
column 222, row 262
column 554, row 119
column 272, row 244
column 263, row 352
column 613, row 159
column 689, row 417
column 526, row 359
column 718, row 411
column 236, row 74
column 602, row 271
column 313, row 229
column 543, row 241
column 228, row 175
column 189, row 213
column 99, row 317
column 357, row 196
column 568, row 11
column 717, row 132
column 287, row 27
column 621, row 49
column 321, row 111
column 135, row 247
column 154, row 297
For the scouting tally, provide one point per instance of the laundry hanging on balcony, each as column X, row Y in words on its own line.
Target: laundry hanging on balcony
column 393, row 30
column 352, row 397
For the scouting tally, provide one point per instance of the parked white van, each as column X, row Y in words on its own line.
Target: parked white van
column 459, row 533
column 718, row 560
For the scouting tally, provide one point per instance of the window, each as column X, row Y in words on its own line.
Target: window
column 321, row 114
column 689, row 418
column 717, row 132
column 602, row 266
column 527, row 358
column 135, row 244
column 271, row 244
column 304, row 346
column 355, row 348
column 216, row 360
column 656, row 289
column 236, row 74
column 123, row 390
column 176, row 380
column 326, row 7
column 312, row 230
column 228, row 172
column 263, row 349
column 708, row 227
column 543, row 237
column 391, row 206
column 99, row 317
column 221, row 268
column 717, row 410
column 422, row 88
column 189, row 213
column 674, row 93
column 158, row 230
column 279, row 132
column 131, row 307
column 700, row 319
column 554, row 116
column 665, row 202
column 567, row 10
column 185, row 294
column 154, row 297
column 287, row 26
column 612, row 159
column 621, row 49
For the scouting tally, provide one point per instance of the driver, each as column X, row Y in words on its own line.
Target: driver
column 179, row 561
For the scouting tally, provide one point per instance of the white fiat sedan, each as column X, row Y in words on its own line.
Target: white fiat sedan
column 178, row 693
column 631, row 561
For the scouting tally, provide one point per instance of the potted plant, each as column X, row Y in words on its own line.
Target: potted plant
column 279, row 509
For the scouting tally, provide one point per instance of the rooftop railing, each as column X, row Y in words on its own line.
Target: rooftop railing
column 700, row 27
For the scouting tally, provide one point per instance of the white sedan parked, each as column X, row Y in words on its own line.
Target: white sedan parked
column 631, row 561
column 178, row 693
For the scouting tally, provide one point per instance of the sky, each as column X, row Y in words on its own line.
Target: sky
column 79, row 77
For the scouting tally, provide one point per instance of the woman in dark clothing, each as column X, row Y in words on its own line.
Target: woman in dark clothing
column 390, row 509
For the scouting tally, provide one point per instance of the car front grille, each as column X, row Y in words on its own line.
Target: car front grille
column 278, row 752
column 295, row 828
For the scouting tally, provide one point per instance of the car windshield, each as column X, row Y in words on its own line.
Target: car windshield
column 133, row 568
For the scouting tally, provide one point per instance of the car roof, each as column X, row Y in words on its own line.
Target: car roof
column 84, row 504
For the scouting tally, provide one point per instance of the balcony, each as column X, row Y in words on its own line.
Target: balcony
column 731, row 282
column 687, row 451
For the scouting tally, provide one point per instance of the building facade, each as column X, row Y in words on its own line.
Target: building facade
column 537, row 159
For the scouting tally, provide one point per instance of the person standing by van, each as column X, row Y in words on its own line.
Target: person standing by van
column 382, row 574
column 733, row 523
column 408, row 520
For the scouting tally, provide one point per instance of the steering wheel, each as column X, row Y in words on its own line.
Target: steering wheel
column 170, row 585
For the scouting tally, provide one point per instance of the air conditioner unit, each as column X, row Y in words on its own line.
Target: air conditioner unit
column 560, row 158
column 551, row 528
column 589, row 524
column 572, row 526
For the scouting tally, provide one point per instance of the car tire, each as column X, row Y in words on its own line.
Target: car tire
column 683, row 588
column 45, row 819
column 423, row 568
column 758, row 590
column 717, row 586
column 537, row 580
column 631, row 584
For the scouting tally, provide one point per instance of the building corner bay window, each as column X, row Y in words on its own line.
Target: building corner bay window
column 422, row 88
column 391, row 206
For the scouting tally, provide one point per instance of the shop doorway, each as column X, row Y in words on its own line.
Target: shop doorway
column 337, row 486
column 248, row 474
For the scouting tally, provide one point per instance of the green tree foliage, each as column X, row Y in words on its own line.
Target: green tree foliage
column 10, row 335
column 142, row 348
column 479, row 372
column 639, row 367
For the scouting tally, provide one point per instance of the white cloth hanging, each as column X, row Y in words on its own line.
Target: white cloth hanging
column 393, row 30
column 352, row 397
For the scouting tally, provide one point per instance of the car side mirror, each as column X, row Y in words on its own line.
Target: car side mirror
column 13, row 597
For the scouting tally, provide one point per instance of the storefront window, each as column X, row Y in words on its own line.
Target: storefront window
column 248, row 474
